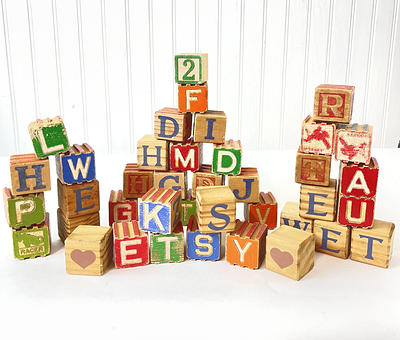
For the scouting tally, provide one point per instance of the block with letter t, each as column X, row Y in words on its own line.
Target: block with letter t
column 152, row 153
column 186, row 156
column 191, row 68
column 136, row 181
column 172, row 125
column 313, row 169
column 188, row 208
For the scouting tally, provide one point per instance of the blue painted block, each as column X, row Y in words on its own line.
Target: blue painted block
column 203, row 246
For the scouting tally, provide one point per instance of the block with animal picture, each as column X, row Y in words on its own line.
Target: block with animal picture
column 313, row 169
column 171, row 180
column 265, row 211
column 317, row 138
column 210, row 127
column 172, row 125
column 246, row 185
column 193, row 98
column 152, row 153
column 168, row 248
column 188, row 208
column 332, row 238
column 290, row 216
column 204, row 177
column 186, row 156
column 227, row 158
column 191, row 68
column 137, row 181
column 121, row 209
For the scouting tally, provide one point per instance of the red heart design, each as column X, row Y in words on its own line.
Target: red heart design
column 83, row 258
column 282, row 258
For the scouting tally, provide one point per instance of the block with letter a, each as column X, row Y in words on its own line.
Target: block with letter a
column 193, row 98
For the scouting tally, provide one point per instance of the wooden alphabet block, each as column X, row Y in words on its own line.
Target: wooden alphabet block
column 121, row 209
column 193, row 98
column 317, row 138
column 246, row 246
column 48, row 136
column 318, row 203
column 216, row 209
column 172, row 125
column 290, row 216
column 210, row 127
column 332, row 238
column 191, row 68
column 160, row 210
column 29, row 174
column 186, row 156
column 313, row 169
column 227, row 158
column 290, row 252
column 152, row 154
column 88, row 250
column 202, row 246
column 265, row 211
column 77, row 165
column 78, row 199
column 353, row 143
column 168, row 248
column 333, row 103
column 373, row 246
column 356, row 212
column 171, row 180
column 246, row 186
column 23, row 211
column 188, row 208
column 205, row 177
column 137, row 182
column 131, row 245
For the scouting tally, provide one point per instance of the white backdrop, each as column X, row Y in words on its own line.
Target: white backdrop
column 107, row 65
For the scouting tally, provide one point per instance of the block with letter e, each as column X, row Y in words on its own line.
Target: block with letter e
column 210, row 127
column 121, row 209
column 168, row 248
column 186, row 156
column 227, row 158
column 191, row 68
column 136, row 181
column 172, row 125
column 193, row 98
column 332, row 238
column 290, row 216
column 313, row 169
column 265, row 211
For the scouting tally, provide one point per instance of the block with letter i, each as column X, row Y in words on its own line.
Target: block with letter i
column 193, row 98
column 265, row 211
column 152, row 154
column 171, row 180
column 290, row 216
column 186, row 156
column 227, row 158
column 121, row 209
column 169, row 247
column 210, row 127
column 317, row 138
column 136, row 181
column 191, row 68
column 245, row 186
column 205, row 177
column 332, row 238
column 172, row 125
column 313, row 169
column 131, row 245
column 188, row 208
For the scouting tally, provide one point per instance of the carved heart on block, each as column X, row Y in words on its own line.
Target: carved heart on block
column 282, row 258
column 83, row 258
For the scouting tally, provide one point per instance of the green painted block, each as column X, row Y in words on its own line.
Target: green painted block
column 227, row 161
column 188, row 209
column 168, row 248
column 191, row 68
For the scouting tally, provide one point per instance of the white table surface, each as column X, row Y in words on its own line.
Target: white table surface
column 337, row 299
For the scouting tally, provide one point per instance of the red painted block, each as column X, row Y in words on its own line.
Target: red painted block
column 192, row 98
column 356, row 212
column 186, row 156
column 264, row 212
column 121, row 209
column 317, row 138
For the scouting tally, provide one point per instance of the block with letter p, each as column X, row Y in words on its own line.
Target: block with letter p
column 245, row 186
column 265, row 211
column 227, row 158
column 191, row 68
column 121, row 209
column 172, row 125
column 186, row 156
column 193, row 98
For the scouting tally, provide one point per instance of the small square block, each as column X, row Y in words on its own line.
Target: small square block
column 227, row 158
column 193, row 98
column 313, row 169
column 356, row 212
column 333, row 103
column 332, row 238
column 191, row 68
column 210, row 127
column 48, row 136
column 290, row 216
column 317, row 138
column 188, row 208
column 246, row 186
column 373, row 246
column 77, row 165
column 29, row 174
column 290, row 252
column 172, row 125
column 152, row 154
column 171, row 180
column 131, row 245
column 205, row 177
column 168, row 248
column 265, row 211
column 121, row 209
column 186, row 156
column 137, row 182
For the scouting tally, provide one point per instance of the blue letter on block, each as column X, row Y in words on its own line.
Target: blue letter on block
column 203, row 246
column 22, row 176
column 312, row 202
column 216, row 214
column 325, row 239
column 79, row 198
column 296, row 223
column 163, row 121
column 248, row 182
column 370, row 243
column 78, row 168
column 157, row 155
column 166, row 178
column 154, row 217
column 210, row 126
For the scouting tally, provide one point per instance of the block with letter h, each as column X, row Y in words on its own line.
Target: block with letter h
column 210, row 127
column 152, row 154
column 245, row 186
column 171, row 180
column 186, row 156
column 227, row 158
column 136, row 181
column 168, row 248
column 121, row 209
column 172, row 125
column 193, row 98
column 265, row 211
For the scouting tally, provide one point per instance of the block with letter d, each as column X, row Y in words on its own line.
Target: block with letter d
column 121, row 209
column 265, row 211
column 168, row 248
column 227, row 158
column 193, row 98
column 245, row 186
column 172, row 125
column 191, row 68
column 186, row 156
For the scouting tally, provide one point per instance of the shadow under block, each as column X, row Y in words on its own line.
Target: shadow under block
column 373, row 246
column 227, row 158
column 121, row 209
column 88, row 250
column 317, row 138
column 313, row 169
column 160, row 210
column 48, row 136
column 245, row 186
column 188, row 208
column 205, row 177
column 186, row 156
column 193, row 98
column 131, row 245
column 246, row 246
column 216, row 209
column 152, row 154
column 137, row 182
column 318, row 202
column 290, row 216
column 77, row 165
column 172, row 125
column 171, row 180
column 333, row 103
column 210, row 127
column 168, row 248
column 29, row 174
column 332, row 238
column 191, row 68
column 265, row 211
column 78, row 199
column 290, row 252
column 23, row 211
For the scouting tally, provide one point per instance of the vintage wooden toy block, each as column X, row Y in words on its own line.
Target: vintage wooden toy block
column 23, row 211
column 265, row 211
column 31, row 242
column 193, row 98
column 356, row 212
column 88, row 250
column 168, row 248
column 29, row 174
column 152, row 154
column 77, row 165
column 227, row 158
column 191, row 68
column 121, row 209
column 172, row 125
column 373, row 246
column 171, row 180
column 332, row 238
column 188, row 208
column 333, row 103
column 137, row 182
column 202, row 246
column 205, row 177
column 131, row 245
column 290, row 252
column 317, row 138
column 246, row 246
column 313, row 169
column 210, row 127
column 216, row 209
column 246, row 186
column 66, row 225
column 48, row 136
column 186, row 156
column 160, row 210
column 318, row 203
column 290, row 216
column 353, row 143
column 78, row 199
